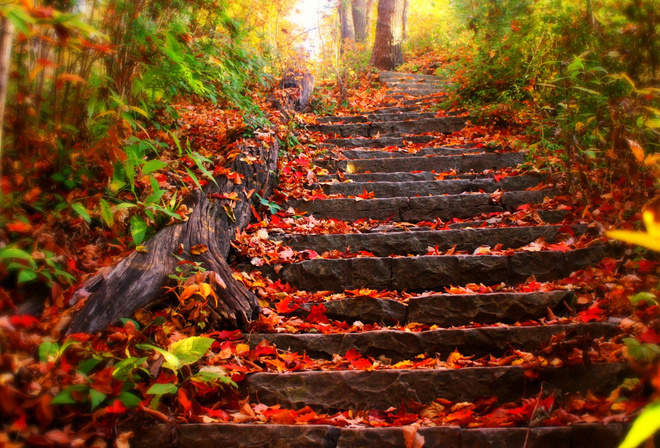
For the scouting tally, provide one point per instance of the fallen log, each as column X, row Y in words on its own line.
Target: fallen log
column 137, row 281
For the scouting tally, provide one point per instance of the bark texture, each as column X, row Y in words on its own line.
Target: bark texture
column 137, row 281
column 387, row 53
column 6, row 37
column 346, row 20
column 361, row 13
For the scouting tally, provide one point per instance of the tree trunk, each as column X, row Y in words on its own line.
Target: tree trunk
column 361, row 14
column 406, row 9
column 387, row 52
column 346, row 20
column 137, row 281
column 303, row 82
column 6, row 38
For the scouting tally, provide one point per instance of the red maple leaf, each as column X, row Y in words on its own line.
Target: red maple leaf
column 646, row 266
column 24, row 321
column 283, row 306
column 367, row 194
column 561, row 247
column 117, row 407
column 356, row 360
column 649, row 337
column 184, row 401
column 593, row 313
column 264, row 349
column 317, row 315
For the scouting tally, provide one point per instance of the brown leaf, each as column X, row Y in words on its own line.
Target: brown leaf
column 411, row 438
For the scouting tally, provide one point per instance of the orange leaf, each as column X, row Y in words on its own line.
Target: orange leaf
column 637, row 150
column 19, row 227
column 70, row 77
column 188, row 291
column 199, row 249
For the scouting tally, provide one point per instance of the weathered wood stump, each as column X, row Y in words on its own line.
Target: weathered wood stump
column 137, row 281
column 296, row 88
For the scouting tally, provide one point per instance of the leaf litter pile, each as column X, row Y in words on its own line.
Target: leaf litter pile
column 167, row 364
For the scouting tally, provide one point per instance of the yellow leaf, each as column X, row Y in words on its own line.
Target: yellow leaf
column 651, row 159
column 208, row 290
column 403, row 365
column 242, row 348
column 637, row 150
column 639, row 238
column 651, row 223
column 454, row 357
column 141, row 249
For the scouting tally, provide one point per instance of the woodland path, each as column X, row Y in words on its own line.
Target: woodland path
column 405, row 188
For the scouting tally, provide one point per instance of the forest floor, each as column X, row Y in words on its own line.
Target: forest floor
column 323, row 297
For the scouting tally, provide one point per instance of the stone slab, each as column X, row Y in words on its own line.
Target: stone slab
column 445, row 125
column 249, row 435
column 403, row 345
column 416, row 209
column 439, row 164
column 434, row 272
column 433, row 187
column 383, row 244
column 382, row 389
column 378, row 142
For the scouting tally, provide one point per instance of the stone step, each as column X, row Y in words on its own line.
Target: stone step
column 375, row 117
column 416, row 209
column 393, row 92
column 432, row 187
column 417, row 243
column 228, row 435
column 382, row 389
column 395, row 110
column 546, row 216
column 381, row 142
column 419, row 101
column 438, row 151
column 445, row 125
column 396, row 346
column 417, row 77
column 408, row 84
column 417, row 176
column 460, row 163
column 447, row 310
column 435, row 272
column 403, row 93
column 380, row 116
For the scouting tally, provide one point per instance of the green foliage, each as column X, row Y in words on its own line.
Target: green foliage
column 28, row 269
column 183, row 352
column 642, row 352
column 587, row 70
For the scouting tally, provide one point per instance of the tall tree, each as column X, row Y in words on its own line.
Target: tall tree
column 387, row 52
column 346, row 19
column 6, row 38
column 406, row 9
column 361, row 18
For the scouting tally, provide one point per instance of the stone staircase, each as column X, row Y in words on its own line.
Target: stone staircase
column 406, row 190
